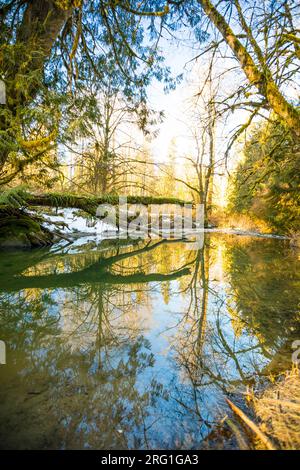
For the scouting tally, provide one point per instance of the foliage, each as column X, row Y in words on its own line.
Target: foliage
column 13, row 198
column 266, row 181
column 56, row 56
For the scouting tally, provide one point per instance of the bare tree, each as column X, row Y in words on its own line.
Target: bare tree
column 201, row 162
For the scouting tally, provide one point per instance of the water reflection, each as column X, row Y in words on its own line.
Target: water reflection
column 135, row 345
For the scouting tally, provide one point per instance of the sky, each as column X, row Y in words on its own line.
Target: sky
column 178, row 57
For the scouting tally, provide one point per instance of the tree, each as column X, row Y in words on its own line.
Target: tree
column 101, row 164
column 266, row 47
column 51, row 52
column 202, row 117
column 266, row 182
column 167, row 182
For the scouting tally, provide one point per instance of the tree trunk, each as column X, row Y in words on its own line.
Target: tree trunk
column 261, row 79
column 41, row 24
column 209, row 177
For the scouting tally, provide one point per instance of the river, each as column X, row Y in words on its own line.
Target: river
column 127, row 344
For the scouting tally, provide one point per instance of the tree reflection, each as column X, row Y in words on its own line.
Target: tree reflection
column 75, row 359
column 59, row 392
column 84, row 364
column 230, row 333
column 265, row 284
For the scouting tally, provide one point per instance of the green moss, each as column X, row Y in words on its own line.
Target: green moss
column 21, row 230
column 90, row 203
column 14, row 197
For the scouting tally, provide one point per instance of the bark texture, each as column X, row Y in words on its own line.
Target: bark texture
column 262, row 79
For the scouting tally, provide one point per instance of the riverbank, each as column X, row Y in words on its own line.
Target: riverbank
column 268, row 419
column 49, row 226
column 242, row 224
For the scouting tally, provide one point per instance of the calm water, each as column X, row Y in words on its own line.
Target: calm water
column 136, row 346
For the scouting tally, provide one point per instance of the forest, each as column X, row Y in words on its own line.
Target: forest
column 169, row 104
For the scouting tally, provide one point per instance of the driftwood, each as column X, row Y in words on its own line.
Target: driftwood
column 254, row 428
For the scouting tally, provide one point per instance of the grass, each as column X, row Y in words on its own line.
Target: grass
column 278, row 410
column 275, row 416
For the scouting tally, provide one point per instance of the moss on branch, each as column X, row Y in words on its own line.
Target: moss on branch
column 89, row 204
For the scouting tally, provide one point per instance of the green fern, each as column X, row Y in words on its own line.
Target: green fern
column 14, row 197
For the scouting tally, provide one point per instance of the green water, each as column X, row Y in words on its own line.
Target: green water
column 137, row 345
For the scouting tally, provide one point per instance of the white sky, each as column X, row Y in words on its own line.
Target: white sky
column 175, row 104
column 172, row 103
